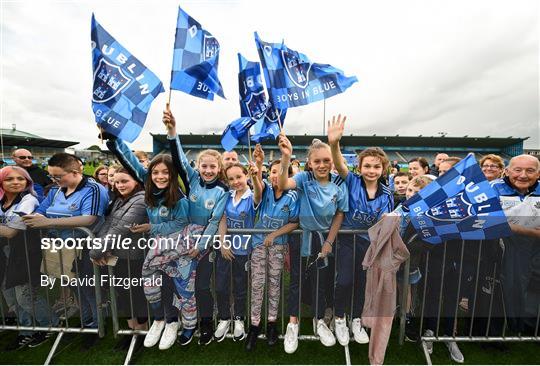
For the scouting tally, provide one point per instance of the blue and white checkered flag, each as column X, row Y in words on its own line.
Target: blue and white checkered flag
column 195, row 59
column 123, row 87
column 461, row 204
column 293, row 80
column 254, row 104
column 236, row 132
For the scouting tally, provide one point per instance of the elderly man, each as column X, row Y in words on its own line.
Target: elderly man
column 439, row 158
column 23, row 158
column 229, row 158
column 519, row 194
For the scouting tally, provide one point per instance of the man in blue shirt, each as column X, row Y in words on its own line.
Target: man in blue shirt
column 76, row 201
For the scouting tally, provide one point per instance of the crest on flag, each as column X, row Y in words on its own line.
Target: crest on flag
column 454, row 209
column 210, row 47
column 297, row 70
column 109, row 81
column 256, row 105
column 272, row 115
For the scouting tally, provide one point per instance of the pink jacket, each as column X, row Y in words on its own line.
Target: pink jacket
column 383, row 258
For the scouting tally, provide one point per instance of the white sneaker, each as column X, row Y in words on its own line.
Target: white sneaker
column 222, row 329
column 169, row 336
column 359, row 333
column 342, row 331
column 154, row 334
column 429, row 344
column 455, row 353
column 239, row 333
column 291, row 338
column 325, row 335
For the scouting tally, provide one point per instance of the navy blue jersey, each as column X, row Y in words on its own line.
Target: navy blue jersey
column 365, row 212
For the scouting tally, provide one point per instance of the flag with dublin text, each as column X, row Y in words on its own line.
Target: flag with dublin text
column 123, row 89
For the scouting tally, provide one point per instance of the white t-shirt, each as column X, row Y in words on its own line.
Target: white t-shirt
column 26, row 205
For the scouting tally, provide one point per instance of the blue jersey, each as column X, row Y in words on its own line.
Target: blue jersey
column 89, row 199
column 273, row 213
column 163, row 220
column 319, row 203
column 206, row 199
column 240, row 215
column 365, row 212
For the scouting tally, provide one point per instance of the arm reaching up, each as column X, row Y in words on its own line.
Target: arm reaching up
column 335, row 132
column 285, row 146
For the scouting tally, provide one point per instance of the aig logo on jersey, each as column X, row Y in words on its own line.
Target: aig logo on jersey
column 455, row 209
column 109, row 81
column 209, row 204
column 163, row 211
column 297, row 70
column 210, row 47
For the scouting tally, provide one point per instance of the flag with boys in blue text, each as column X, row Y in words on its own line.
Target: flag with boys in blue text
column 293, row 80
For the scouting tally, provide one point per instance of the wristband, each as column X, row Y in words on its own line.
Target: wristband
column 326, row 241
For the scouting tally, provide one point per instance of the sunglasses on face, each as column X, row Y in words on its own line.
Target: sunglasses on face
column 25, row 157
column 58, row 177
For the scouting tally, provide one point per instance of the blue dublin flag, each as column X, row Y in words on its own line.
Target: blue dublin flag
column 461, row 204
column 123, row 87
column 254, row 104
column 236, row 132
column 195, row 59
column 268, row 127
column 293, row 80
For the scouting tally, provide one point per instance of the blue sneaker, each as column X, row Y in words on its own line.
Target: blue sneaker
column 186, row 336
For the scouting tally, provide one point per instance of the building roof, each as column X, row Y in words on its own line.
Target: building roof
column 352, row 142
column 14, row 137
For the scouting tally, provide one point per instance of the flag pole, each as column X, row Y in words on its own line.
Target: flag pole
column 324, row 116
column 249, row 145
column 279, row 120
column 168, row 105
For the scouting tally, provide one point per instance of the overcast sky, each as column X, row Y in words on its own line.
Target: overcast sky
column 462, row 67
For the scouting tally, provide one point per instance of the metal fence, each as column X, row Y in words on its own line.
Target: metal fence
column 449, row 273
column 39, row 316
column 461, row 297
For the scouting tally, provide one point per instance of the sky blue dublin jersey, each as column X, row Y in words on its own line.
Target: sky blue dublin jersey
column 273, row 213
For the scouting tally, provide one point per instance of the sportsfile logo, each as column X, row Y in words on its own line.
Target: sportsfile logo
column 113, row 242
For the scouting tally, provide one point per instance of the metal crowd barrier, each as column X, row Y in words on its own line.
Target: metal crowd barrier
column 458, row 270
column 446, row 279
column 118, row 328
column 66, row 320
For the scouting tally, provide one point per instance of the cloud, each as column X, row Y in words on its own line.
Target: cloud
column 423, row 67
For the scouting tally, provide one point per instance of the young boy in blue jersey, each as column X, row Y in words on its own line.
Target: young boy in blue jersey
column 167, row 210
column 277, row 209
column 76, row 201
column 207, row 198
column 323, row 201
column 233, row 254
column 369, row 199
